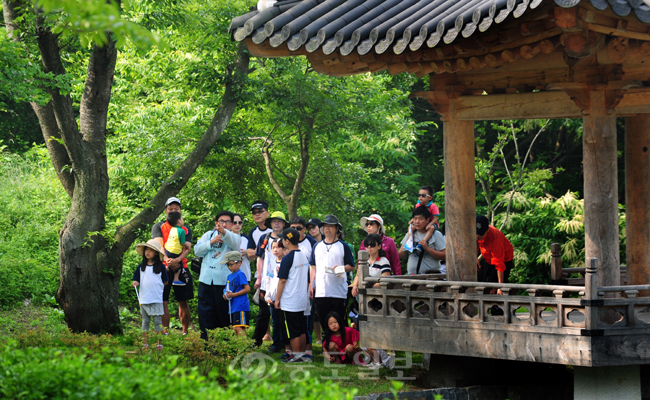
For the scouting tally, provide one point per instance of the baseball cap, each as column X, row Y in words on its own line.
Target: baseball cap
column 291, row 234
column 314, row 222
column 260, row 204
column 231, row 256
column 172, row 200
column 482, row 225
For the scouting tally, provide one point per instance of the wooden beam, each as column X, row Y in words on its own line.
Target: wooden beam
column 615, row 32
column 601, row 188
column 637, row 193
column 544, row 104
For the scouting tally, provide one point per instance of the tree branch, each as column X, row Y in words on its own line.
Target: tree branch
column 45, row 114
column 61, row 104
column 521, row 170
column 126, row 234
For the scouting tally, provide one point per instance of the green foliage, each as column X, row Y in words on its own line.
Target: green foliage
column 18, row 75
column 90, row 20
column 35, row 373
column 539, row 221
column 34, row 205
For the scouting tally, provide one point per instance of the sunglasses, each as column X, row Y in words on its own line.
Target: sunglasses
column 230, row 264
column 424, row 195
column 258, row 212
column 238, row 222
column 370, row 223
column 224, row 222
column 298, row 228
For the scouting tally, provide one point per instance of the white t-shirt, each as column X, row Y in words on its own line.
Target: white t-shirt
column 151, row 286
column 306, row 246
column 245, row 264
column 380, row 266
column 272, row 285
column 295, row 269
column 325, row 257
column 268, row 258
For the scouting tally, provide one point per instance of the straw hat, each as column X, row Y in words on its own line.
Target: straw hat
column 153, row 244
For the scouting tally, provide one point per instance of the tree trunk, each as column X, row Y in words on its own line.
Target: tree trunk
column 89, row 287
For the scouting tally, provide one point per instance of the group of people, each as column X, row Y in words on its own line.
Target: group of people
column 303, row 279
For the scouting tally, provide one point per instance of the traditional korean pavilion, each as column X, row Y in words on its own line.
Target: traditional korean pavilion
column 505, row 59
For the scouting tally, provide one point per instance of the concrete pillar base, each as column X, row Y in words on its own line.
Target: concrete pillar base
column 606, row 383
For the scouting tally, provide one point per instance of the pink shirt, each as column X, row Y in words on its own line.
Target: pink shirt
column 432, row 208
column 351, row 336
column 388, row 245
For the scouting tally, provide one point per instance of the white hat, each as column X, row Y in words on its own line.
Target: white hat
column 376, row 218
column 172, row 200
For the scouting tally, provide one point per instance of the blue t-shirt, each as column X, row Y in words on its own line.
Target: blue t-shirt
column 235, row 283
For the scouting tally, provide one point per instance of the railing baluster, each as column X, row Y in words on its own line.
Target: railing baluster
column 591, row 294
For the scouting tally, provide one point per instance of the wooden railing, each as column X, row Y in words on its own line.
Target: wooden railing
column 560, row 276
column 569, row 310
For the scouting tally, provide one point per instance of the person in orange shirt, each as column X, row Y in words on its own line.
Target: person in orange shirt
column 495, row 253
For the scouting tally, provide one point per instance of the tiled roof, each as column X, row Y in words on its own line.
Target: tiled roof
column 391, row 25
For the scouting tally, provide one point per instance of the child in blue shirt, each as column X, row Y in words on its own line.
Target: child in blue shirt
column 236, row 292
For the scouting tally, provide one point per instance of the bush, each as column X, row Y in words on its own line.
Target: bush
column 35, row 206
column 37, row 373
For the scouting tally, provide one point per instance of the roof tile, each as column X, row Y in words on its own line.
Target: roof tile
column 385, row 25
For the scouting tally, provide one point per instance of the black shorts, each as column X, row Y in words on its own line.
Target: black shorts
column 240, row 319
column 181, row 293
column 294, row 324
column 490, row 271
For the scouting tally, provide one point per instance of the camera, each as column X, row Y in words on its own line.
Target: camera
column 418, row 250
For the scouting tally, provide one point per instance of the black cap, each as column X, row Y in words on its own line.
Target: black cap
column 260, row 204
column 482, row 225
column 291, row 235
column 313, row 221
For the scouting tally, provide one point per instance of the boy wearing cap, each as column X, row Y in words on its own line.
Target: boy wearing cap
column 292, row 296
column 495, row 253
column 236, row 292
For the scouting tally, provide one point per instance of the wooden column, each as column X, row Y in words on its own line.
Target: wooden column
column 460, row 197
column 637, row 198
column 601, row 188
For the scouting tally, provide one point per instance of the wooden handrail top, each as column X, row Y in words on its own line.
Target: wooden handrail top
column 420, row 277
column 581, row 270
column 622, row 288
column 573, row 289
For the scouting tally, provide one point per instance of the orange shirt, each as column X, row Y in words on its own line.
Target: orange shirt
column 496, row 248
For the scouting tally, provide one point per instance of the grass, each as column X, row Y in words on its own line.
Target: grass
column 30, row 323
column 366, row 381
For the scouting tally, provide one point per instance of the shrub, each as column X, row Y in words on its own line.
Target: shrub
column 37, row 373
column 34, row 205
